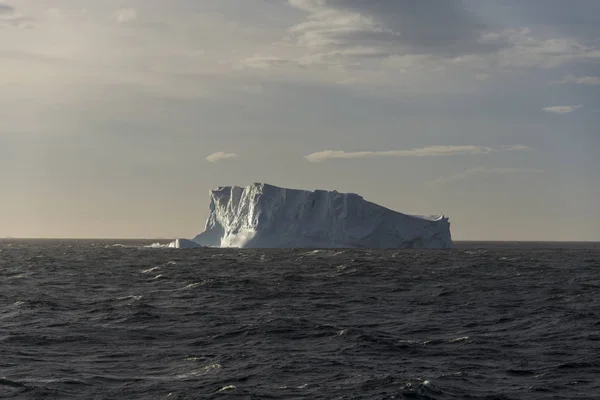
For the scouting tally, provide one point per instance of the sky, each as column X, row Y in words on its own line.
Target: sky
column 118, row 116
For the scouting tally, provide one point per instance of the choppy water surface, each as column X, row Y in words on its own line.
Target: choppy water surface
column 87, row 319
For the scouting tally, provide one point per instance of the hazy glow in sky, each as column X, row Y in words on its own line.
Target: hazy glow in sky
column 118, row 116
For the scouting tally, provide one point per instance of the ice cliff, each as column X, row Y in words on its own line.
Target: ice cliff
column 183, row 244
column 266, row 216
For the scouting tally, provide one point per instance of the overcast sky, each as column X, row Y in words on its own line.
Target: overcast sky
column 118, row 116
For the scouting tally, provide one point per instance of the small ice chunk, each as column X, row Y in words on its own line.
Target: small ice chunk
column 184, row 244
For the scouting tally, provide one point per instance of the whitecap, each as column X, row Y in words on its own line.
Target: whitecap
column 197, row 284
column 192, row 285
column 411, row 341
column 19, row 276
column 227, row 388
column 157, row 246
column 131, row 297
column 146, row 271
column 314, row 252
column 200, row 371
column 211, row 367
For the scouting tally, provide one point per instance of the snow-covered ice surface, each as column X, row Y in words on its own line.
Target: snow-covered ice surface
column 267, row 216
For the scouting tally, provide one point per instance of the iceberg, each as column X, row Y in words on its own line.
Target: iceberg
column 183, row 244
column 266, row 216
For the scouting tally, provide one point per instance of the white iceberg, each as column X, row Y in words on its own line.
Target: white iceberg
column 266, row 216
column 183, row 244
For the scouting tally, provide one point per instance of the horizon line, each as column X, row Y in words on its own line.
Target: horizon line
column 6, row 238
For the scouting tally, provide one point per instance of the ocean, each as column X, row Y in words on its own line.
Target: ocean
column 96, row 319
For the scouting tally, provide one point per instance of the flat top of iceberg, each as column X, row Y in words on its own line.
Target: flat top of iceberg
column 265, row 188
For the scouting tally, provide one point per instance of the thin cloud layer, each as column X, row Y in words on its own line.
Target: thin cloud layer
column 428, row 151
column 220, row 156
column 126, row 15
column 562, row 109
column 263, row 62
column 385, row 27
column 581, row 80
column 479, row 171
column 9, row 16
column 436, row 34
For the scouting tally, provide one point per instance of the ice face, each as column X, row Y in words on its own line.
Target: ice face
column 262, row 215
column 183, row 244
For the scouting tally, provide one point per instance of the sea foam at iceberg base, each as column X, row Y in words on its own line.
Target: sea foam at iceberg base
column 267, row 216
column 183, row 244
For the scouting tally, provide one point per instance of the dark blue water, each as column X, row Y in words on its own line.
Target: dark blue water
column 85, row 319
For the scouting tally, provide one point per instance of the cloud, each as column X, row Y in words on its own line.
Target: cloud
column 385, row 27
column 126, row 15
column 562, row 109
column 219, row 156
column 57, row 14
column 517, row 147
column 479, row 171
column 523, row 49
column 432, row 34
column 9, row 16
column 264, row 62
column 6, row 9
column 582, row 80
column 428, row 151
